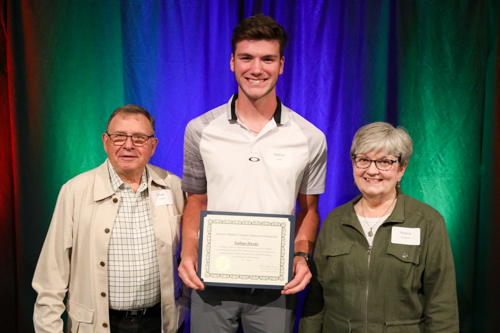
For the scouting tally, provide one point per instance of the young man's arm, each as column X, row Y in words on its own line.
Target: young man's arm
column 190, row 227
column 306, row 230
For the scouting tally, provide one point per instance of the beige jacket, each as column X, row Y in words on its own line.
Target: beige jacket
column 74, row 256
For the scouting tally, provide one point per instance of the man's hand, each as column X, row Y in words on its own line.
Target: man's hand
column 187, row 272
column 301, row 277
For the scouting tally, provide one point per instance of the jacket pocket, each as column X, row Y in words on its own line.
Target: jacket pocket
column 405, row 253
column 338, row 261
column 175, row 227
column 407, row 269
column 337, row 248
column 337, row 324
column 405, row 326
column 175, row 219
column 81, row 317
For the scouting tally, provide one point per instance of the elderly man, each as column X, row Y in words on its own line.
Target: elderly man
column 113, row 241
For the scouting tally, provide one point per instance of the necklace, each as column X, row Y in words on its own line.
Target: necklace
column 370, row 233
column 238, row 116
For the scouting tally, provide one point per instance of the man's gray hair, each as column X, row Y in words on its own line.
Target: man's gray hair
column 376, row 136
column 133, row 109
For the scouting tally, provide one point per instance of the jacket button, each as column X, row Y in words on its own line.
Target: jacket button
column 334, row 250
column 115, row 200
column 103, row 294
column 104, row 325
column 106, row 230
column 404, row 255
column 102, row 263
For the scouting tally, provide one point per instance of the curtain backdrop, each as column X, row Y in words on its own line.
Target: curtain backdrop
column 430, row 66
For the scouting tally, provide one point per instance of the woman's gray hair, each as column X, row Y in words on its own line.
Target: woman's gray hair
column 380, row 135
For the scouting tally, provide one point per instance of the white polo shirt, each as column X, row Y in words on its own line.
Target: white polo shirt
column 242, row 172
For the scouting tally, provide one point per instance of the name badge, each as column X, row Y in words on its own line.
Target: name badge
column 406, row 236
column 280, row 158
column 162, row 197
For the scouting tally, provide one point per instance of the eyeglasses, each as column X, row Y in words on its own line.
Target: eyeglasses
column 382, row 165
column 137, row 139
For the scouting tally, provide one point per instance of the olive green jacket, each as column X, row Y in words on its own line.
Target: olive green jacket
column 388, row 287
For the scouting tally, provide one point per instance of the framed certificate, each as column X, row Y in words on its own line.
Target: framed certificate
column 246, row 250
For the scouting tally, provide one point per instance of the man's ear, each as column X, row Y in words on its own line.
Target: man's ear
column 105, row 139
column 155, row 143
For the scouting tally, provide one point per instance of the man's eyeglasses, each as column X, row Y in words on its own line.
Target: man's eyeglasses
column 382, row 165
column 137, row 139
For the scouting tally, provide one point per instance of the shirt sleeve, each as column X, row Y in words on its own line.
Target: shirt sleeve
column 52, row 272
column 441, row 310
column 193, row 178
column 314, row 178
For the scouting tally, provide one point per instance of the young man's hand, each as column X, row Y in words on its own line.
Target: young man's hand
column 301, row 277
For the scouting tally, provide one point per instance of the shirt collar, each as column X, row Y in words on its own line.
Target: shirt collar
column 117, row 182
column 397, row 215
column 280, row 117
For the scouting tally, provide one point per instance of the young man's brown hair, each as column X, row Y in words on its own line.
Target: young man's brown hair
column 259, row 27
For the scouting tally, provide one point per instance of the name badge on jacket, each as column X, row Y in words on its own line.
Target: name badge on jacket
column 162, row 197
column 406, row 236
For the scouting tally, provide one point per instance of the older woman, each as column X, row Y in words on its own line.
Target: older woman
column 383, row 260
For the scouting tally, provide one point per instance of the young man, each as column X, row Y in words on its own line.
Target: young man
column 113, row 240
column 230, row 165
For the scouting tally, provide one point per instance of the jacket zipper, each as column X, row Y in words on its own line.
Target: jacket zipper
column 369, row 252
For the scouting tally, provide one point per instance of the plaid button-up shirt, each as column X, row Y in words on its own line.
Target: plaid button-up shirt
column 134, row 277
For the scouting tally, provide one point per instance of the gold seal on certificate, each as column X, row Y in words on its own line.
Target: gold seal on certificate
column 246, row 250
